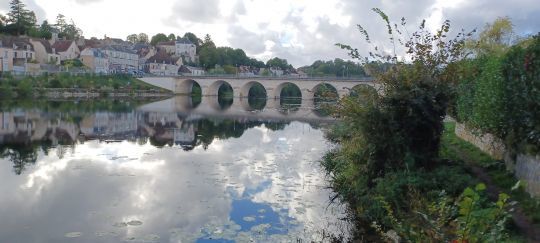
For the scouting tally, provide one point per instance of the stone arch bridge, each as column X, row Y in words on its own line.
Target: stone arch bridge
column 241, row 85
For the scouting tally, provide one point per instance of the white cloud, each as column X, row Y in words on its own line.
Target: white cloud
column 301, row 31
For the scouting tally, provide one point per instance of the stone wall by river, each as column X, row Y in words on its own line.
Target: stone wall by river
column 525, row 167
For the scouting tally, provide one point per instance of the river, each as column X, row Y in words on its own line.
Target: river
column 104, row 171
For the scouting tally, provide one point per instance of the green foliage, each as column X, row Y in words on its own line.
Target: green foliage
column 500, row 94
column 337, row 67
column 20, row 20
column 158, row 38
column 495, row 38
column 279, row 63
column 480, row 220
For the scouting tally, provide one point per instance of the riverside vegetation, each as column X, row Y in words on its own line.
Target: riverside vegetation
column 407, row 179
column 29, row 86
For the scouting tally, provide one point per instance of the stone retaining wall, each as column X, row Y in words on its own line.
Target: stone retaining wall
column 525, row 167
column 488, row 143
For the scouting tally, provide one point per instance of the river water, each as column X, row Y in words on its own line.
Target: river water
column 151, row 172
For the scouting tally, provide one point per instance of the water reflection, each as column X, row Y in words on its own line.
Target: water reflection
column 131, row 175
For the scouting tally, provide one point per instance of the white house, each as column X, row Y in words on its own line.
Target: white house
column 186, row 49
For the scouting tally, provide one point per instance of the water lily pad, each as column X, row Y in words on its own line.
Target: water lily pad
column 120, row 224
column 73, row 234
column 134, row 223
column 249, row 218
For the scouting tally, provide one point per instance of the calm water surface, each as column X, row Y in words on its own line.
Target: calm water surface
column 118, row 171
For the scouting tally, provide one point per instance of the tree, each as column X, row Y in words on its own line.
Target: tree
column 71, row 31
column 60, row 22
column 279, row 63
column 133, row 38
column 45, row 30
column 172, row 37
column 20, row 19
column 495, row 37
column 143, row 38
column 194, row 39
column 158, row 38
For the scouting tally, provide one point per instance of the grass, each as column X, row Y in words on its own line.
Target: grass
column 456, row 149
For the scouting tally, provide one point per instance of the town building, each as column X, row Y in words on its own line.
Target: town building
column 164, row 64
column 66, row 49
column 96, row 60
column 44, row 52
column 190, row 71
column 16, row 54
column 186, row 49
column 121, row 59
column 167, row 46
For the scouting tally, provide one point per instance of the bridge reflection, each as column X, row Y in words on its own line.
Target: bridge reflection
column 242, row 107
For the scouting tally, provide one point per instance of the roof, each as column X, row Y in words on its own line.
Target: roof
column 184, row 41
column 119, row 49
column 162, row 57
column 45, row 44
column 166, row 43
column 188, row 69
column 96, row 52
column 18, row 43
column 62, row 45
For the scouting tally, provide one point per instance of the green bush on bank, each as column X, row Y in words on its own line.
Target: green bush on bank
column 26, row 86
column 500, row 94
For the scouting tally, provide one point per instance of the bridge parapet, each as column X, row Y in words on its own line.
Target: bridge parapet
column 242, row 85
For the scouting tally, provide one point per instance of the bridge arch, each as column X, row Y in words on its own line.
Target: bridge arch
column 363, row 89
column 325, row 91
column 292, row 88
column 213, row 89
column 186, row 86
column 249, row 87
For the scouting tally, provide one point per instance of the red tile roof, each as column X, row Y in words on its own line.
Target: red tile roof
column 61, row 45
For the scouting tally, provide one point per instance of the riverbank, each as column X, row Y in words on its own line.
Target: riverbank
column 427, row 205
column 64, row 85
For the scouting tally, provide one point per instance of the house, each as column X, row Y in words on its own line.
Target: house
column 44, row 52
column 190, row 71
column 144, row 51
column 96, row 60
column 185, row 48
column 121, row 59
column 16, row 54
column 164, row 64
column 167, row 46
column 66, row 49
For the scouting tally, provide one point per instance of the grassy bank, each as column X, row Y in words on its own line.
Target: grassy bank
column 496, row 175
column 28, row 86
column 421, row 205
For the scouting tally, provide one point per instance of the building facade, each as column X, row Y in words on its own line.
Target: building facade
column 96, row 60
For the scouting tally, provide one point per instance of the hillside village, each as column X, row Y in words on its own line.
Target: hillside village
column 29, row 48
column 35, row 56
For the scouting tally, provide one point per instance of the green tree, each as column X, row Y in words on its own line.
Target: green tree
column 45, row 30
column 60, row 22
column 279, row 63
column 133, row 38
column 194, row 39
column 172, row 37
column 495, row 38
column 21, row 20
column 142, row 38
column 158, row 38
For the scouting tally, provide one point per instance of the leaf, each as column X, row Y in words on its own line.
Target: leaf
column 480, row 187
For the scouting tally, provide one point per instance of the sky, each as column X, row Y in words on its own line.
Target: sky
column 300, row 31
